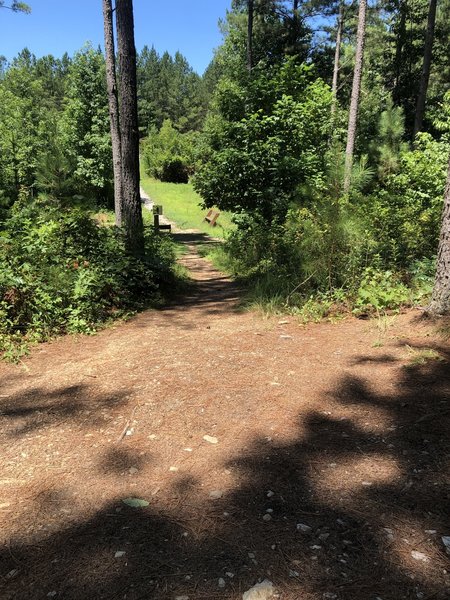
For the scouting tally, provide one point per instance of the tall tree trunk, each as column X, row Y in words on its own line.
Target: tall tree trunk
column 399, row 43
column 337, row 54
column 250, row 36
column 113, row 109
column 356, row 89
column 132, row 209
column 427, row 54
column 440, row 300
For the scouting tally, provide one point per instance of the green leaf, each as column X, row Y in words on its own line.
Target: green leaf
column 135, row 502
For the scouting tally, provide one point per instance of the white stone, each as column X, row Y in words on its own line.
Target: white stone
column 211, row 439
column 419, row 556
column 222, row 583
column 215, row 494
column 270, row 494
column 267, row 517
column 260, row 591
column 119, row 554
column 303, row 528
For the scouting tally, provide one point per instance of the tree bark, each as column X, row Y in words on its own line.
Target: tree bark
column 427, row 55
column 113, row 104
column 356, row 89
column 440, row 300
column 132, row 208
column 250, row 36
column 400, row 42
column 337, row 54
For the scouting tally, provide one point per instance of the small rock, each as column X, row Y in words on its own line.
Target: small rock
column 283, row 322
column 133, row 470
column 221, row 583
column 270, row 494
column 211, row 439
column 420, row 556
column 286, row 337
column 324, row 536
column 431, row 531
column 152, row 436
column 182, row 598
column 260, row 591
column 303, row 528
column 51, row 594
column 316, row 547
column 267, row 517
column 173, row 469
column 119, row 554
column 188, row 449
column 229, row 574
column 251, row 555
column 329, row 596
column 215, row 494
column 446, row 541
column 269, row 510
column 366, row 483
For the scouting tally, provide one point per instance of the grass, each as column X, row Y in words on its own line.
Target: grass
column 420, row 356
column 181, row 206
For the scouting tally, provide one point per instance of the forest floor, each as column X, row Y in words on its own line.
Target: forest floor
column 314, row 456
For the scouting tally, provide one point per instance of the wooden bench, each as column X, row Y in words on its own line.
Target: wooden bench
column 212, row 216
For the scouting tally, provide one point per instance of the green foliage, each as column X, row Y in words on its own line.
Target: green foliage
column 85, row 131
column 62, row 272
column 168, row 155
column 380, row 290
column 168, row 89
column 261, row 144
column 405, row 212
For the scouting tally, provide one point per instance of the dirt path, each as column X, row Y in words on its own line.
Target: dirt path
column 324, row 468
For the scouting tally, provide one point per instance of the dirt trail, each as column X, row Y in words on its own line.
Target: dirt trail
column 328, row 426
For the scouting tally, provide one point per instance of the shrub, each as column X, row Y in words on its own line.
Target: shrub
column 168, row 155
column 63, row 272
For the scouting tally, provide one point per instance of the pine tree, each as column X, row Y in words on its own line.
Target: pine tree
column 113, row 103
column 356, row 89
column 440, row 300
column 425, row 78
column 132, row 209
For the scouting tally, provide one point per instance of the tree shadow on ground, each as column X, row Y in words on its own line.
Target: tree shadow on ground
column 336, row 513
column 22, row 413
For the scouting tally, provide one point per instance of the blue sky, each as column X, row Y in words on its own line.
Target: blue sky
column 57, row 26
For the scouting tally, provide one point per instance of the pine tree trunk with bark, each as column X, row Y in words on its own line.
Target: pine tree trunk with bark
column 356, row 89
column 250, row 36
column 427, row 55
column 337, row 54
column 440, row 300
column 113, row 104
column 132, row 208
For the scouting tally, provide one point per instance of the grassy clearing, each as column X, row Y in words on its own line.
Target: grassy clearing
column 181, row 205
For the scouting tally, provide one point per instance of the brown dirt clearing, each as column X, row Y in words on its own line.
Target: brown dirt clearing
column 336, row 427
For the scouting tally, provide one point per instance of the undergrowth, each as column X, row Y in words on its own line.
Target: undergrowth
column 64, row 272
